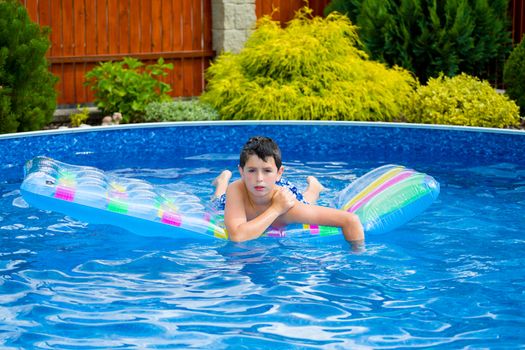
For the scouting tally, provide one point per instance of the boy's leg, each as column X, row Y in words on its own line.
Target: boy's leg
column 311, row 194
column 221, row 183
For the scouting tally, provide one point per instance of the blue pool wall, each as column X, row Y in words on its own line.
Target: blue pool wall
column 166, row 145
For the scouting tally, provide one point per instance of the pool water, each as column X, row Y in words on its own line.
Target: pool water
column 451, row 278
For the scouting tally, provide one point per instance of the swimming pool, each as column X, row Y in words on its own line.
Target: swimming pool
column 451, row 278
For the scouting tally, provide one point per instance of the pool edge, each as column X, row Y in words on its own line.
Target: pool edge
column 261, row 122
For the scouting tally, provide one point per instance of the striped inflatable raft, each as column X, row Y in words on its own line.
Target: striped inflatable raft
column 384, row 199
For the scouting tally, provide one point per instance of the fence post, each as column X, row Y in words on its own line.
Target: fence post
column 232, row 24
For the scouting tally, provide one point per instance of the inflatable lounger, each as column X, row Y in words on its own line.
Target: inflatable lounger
column 384, row 199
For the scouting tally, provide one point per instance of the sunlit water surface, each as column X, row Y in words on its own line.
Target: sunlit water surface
column 451, row 278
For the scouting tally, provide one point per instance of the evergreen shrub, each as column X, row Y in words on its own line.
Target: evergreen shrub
column 312, row 69
column 128, row 86
column 462, row 100
column 514, row 75
column 180, row 110
column 27, row 94
column 428, row 37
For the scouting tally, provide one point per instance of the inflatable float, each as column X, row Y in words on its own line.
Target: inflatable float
column 384, row 199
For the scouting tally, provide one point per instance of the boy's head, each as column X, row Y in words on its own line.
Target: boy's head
column 263, row 147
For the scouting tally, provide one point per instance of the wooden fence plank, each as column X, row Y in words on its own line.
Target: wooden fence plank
column 156, row 26
column 68, row 43
column 286, row 10
column 68, row 28
column 112, row 19
column 197, row 22
column 177, row 25
column 90, row 24
column 162, row 31
column 187, row 32
column 134, row 27
column 207, row 39
column 123, row 30
column 177, row 73
column 79, row 47
column 145, row 26
column 101, row 30
column 79, row 28
column 207, row 24
column 91, row 45
column 166, row 9
column 517, row 9
column 44, row 13
column 521, row 27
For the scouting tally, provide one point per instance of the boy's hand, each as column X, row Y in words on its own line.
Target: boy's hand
column 283, row 200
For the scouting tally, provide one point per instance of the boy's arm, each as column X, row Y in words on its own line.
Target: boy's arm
column 238, row 227
column 317, row 215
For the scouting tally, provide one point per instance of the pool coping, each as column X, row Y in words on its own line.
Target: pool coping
column 259, row 122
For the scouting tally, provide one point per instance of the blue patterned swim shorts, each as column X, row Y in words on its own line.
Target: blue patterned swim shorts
column 220, row 203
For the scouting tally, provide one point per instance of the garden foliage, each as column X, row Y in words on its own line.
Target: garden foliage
column 428, row 37
column 128, row 86
column 27, row 94
column 77, row 119
column 312, row 69
column 180, row 110
column 462, row 100
column 514, row 75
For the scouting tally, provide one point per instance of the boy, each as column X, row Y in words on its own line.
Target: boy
column 261, row 198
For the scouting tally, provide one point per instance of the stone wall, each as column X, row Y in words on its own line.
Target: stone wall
column 233, row 21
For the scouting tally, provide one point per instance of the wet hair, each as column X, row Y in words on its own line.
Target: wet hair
column 263, row 147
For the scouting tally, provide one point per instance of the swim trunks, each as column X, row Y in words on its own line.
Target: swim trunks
column 220, row 203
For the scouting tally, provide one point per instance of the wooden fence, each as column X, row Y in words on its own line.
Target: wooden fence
column 86, row 32
column 517, row 13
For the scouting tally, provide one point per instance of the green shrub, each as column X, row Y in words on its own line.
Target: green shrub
column 128, row 86
column 180, row 110
column 462, row 100
column 79, row 118
column 350, row 8
column 27, row 94
column 514, row 75
column 312, row 69
column 428, row 36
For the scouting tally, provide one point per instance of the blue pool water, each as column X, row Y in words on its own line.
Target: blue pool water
column 451, row 278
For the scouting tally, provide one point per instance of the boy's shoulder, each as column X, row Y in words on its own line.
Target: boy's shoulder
column 236, row 186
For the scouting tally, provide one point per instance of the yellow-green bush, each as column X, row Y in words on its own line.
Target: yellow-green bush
column 312, row 69
column 462, row 100
column 79, row 118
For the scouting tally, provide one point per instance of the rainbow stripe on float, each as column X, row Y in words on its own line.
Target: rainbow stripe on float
column 382, row 183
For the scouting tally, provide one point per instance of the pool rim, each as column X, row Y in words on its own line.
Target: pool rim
column 61, row 131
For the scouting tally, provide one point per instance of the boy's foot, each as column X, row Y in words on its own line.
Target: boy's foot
column 222, row 179
column 314, row 184
column 221, row 183
column 311, row 195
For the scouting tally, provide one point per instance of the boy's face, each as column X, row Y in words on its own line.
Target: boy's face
column 259, row 175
